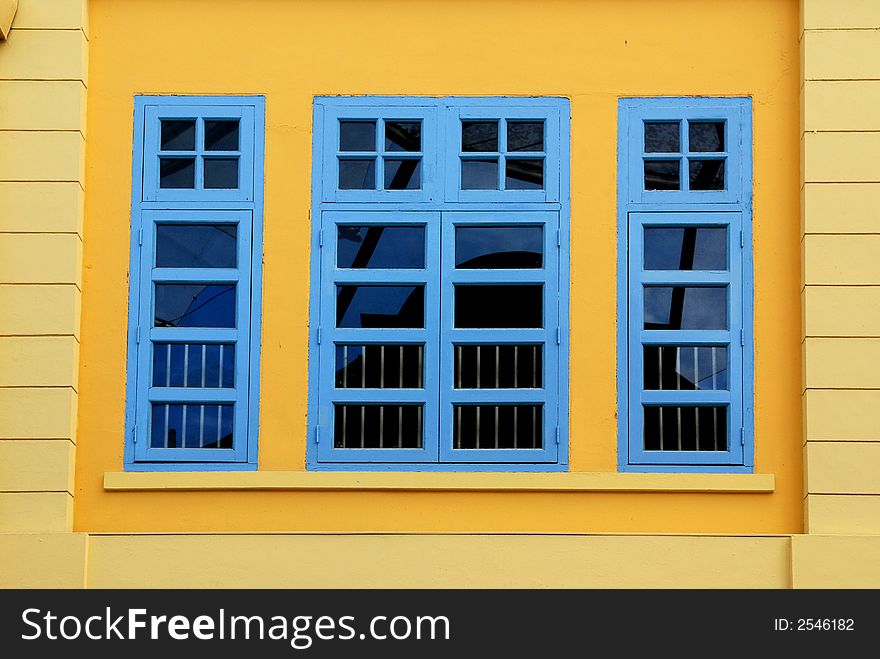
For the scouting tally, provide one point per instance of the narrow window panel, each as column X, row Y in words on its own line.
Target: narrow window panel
column 221, row 134
column 380, row 306
column 706, row 174
column 378, row 426
column 685, row 428
column 178, row 135
column 196, row 245
column 403, row 135
column 403, row 174
column 498, row 426
column 177, row 173
column 685, row 368
column 195, row 305
column 494, row 366
column 221, row 173
column 380, row 366
column 380, row 246
column 497, row 306
column 357, row 135
column 525, row 135
column 705, row 136
column 479, row 136
column 685, row 248
column 357, row 174
column 662, row 175
column 662, row 137
column 479, row 174
column 523, row 174
column 177, row 425
column 499, row 247
column 685, row 307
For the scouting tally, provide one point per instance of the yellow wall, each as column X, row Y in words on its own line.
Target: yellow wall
column 592, row 52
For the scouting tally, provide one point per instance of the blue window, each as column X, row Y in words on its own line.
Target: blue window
column 685, row 290
column 194, row 304
column 439, row 299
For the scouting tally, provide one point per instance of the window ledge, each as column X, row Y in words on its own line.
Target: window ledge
column 424, row 481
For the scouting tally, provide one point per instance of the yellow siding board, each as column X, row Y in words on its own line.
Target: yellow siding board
column 842, row 363
column 55, row 207
column 37, row 413
column 40, row 258
column 43, row 105
column 43, row 560
column 845, row 259
column 841, row 415
column 842, row 310
column 828, row 14
column 844, row 468
column 56, row 14
column 38, row 309
column 36, row 465
column 841, row 55
column 819, row 561
column 842, row 208
column 35, row 512
column 44, row 55
column 843, row 514
column 44, row 361
column 844, row 105
column 841, row 157
column 42, row 155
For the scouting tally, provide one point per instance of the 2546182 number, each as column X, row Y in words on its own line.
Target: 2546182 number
column 814, row 624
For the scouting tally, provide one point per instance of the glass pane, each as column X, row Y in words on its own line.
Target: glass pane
column 499, row 247
column 196, row 245
column 357, row 135
column 662, row 137
column 479, row 136
column 685, row 248
column 686, row 428
column 195, row 305
column 380, row 306
column 403, row 135
column 357, row 174
column 498, row 366
column 221, row 135
column 497, row 426
column 201, row 365
column 380, row 247
column 706, row 174
column 177, row 173
column 525, row 135
column 175, row 425
column 524, row 174
column 685, row 368
column 178, row 135
column 662, row 175
column 706, row 136
column 515, row 305
column 403, row 174
column 377, row 426
column 380, row 366
column 479, row 174
column 685, row 307
column 221, row 173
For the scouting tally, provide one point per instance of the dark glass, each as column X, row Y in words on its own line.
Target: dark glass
column 479, row 136
column 686, row 368
column 662, row 137
column 499, row 247
column 479, row 174
column 523, row 174
column 221, row 135
column 177, row 173
column 380, row 306
column 525, row 135
column 195, row 305
column 357, row 174
column 497, row 426
column 175, row 425
column 194, row 365
column 178, row 135
column 403, row 135
column 498, row 366
column 378, row 246
column 196, row 245
column 403, row 174
column 706, row 136
column 377, row 426
column 685, row 428
column 491, row 306
column 221, row 173
column 685, row 307
column 380, row 366
column 685, row 248
column 706, row 174
column 662, row 175
column 357, row 135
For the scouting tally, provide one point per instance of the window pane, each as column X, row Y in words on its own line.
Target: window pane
column 479, row 174
column 177, row 173
column 498, row 426
column 499, row 247
column 380, row 247
column 221, row 135
column 357, row 135
column 196, row 245
column 178, row 135
column 525, row 135
column 479, row 136
column 177, row 425
column 403, row 174
column 357, row 174
column 686, row 428
column 516, row 305
column 706, row 136
column 380, row 306
column 200, row 365
column 377, row 426
column 403, row 136
column 380, row 366
column 524, row 174
column 685, row 368
column 662, row 175
column 498, row 366
column 195, row 305
column 685, row 248
column 685, row 307
column 706, row 174
column 662, row 137
column 221, row 173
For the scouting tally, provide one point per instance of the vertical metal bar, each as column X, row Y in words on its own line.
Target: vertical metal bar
column 400, row 374
column 458, row 426
column 344, row 369
column 204, row 362
column 363, row 419
column 219, row 424
column 497, row 366
column 185, row 368
column 714, row 369
column 202, row 420
column 660, row 366
column 515, row 369
column 421, row 366
column 183, row 428
column 381, row 426
column 696, row 368
column 697, row 425
column 660, row 412
column 220, row 370
column 496, row 426
column 364, row 367
column 344, row 426
column 382, row 367
column 479, row 382
column 678, row 388
column 167, row 413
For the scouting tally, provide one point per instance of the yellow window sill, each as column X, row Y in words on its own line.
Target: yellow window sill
column 429, row 481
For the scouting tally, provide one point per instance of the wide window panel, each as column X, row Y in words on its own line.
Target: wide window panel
column 196, row 245
column 380, row 306
column 685, row 248
column 499, row 247
column 380, row 246
column 492, row 306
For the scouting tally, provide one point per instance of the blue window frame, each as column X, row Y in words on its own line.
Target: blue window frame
column 194, row 299
column 685, row 285
column 439, row 298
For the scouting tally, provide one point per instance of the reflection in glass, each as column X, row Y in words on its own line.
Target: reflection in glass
column 178, row 135
column 685, row 307
column 685, row 368
column 523, row 174
column 380, row 306
column 686, row 428
column 403, row 136
column 377, row 426
column 662, row 137
column 199, row 365
column 498, row 366
column 525, row 135
column 706, row 136
column 491, row 306
column 177, row 173
column 499, row 247
column 706, row 174
column 357, row 135
column 685, row 248
column 357, row 174
column 175, row 425
column 403, row 174
column 479, row 136
column 481, row 174
column 498, row 426
column 195, row 305
column 221, row 173
column 380, row 366
column 221, row 135
column 662, row 175
column 196, row 245
column 377, row 246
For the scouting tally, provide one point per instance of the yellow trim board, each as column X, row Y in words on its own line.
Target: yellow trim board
column 480, row 481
